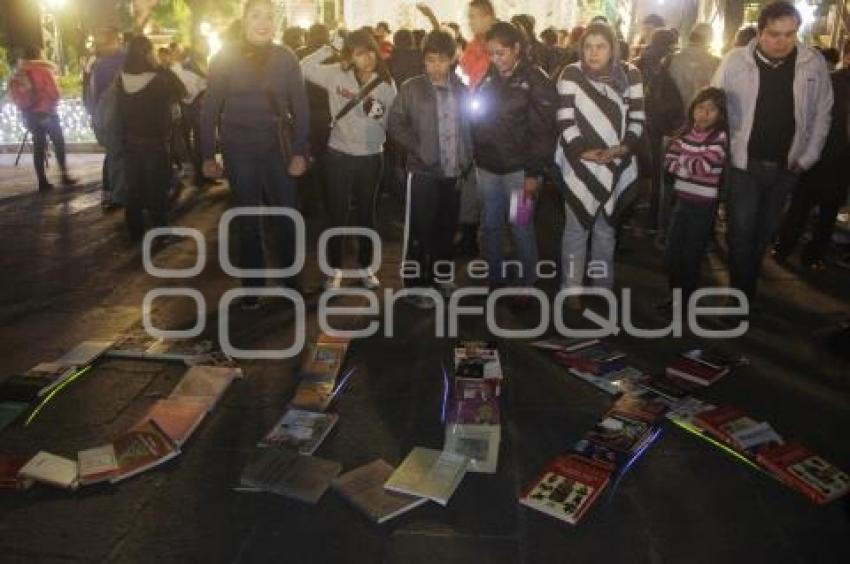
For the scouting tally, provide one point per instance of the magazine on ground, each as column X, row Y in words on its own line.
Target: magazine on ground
column 141, row 448
column 290, row 474
column 478, row 443
column 51, row 469
column 99, row 464
column 178, row 416
column 301, row 430
column 206, row 383
column 803, row 470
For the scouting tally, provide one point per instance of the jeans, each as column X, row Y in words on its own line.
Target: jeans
column 756, row 200
column 574, row 255
column 431, row 215
column 494, row 193
column 257, row 180
column 148, row 165
column 825, row 186
column 351, row 178
column 43, row 126
column 691, row 226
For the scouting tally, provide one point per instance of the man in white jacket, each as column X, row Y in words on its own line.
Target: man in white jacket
column 779, row 99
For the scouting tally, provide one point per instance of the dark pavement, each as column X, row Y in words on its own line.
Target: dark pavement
column 70, row 274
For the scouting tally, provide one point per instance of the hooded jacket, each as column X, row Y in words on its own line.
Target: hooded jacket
column 514, row 121
column 146, row 101
column 43, row 92
column 738, row 75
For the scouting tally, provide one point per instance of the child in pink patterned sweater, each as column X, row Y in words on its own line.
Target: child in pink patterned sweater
column 695, row 159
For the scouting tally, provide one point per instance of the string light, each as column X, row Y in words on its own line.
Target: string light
column 75, row 121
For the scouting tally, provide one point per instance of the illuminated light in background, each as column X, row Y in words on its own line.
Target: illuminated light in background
column 717, row 35
column 56, row 4
column 304, row 23
column 807, row 12
column 212, row 37
column 75, row 121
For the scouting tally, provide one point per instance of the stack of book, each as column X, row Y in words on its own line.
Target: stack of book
column 473, row 422
column 570, row 483
column 592, row 361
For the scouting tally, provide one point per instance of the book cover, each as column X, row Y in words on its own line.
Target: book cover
column 564, row 345
column 96, row 465
column 685, row 411
column 797, row 466
column 10, row 468
column 672, row 388
column 694, row 371
column 208, row 383
column 324, row 358
column 142, row 448
column 301, row 430
column 51, row 469
column 364, row 488
column 724, row 422
column 567, row 488
column 474, row 411
column 290, row 474
column 608, row 458
column 178, row 416
column 314, row 393
column 479, row 444
column 429, row 473
column 619, row 432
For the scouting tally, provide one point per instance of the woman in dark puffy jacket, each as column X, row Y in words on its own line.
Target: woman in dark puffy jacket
column 147, row 96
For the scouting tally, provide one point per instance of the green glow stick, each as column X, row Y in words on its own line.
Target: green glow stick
column 55, row 391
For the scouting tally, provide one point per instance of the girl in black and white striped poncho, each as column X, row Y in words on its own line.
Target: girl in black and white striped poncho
column 600, row 118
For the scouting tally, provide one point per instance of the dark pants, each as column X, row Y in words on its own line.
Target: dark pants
column 258, row 180
column 756, row 200
column 431, row 218
column 190, row 128
column 351, row 180
column 690, row 229
column 42, row 126
column 825, row 186
column 148, row 165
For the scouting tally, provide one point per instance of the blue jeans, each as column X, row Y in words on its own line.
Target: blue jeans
column 756, row 201
column 258, row 180
column 494, row 192
column 690, row 230
column 574, row 251
column 43, row 126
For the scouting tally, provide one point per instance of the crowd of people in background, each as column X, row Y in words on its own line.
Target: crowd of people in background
column 468, row 131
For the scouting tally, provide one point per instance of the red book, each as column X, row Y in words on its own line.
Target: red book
column 142, row 448
column 801, row 469
column 567, row 488
column 724, row 421
column 696, row 372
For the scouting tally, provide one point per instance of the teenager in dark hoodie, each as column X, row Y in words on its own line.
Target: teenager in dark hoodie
column 249, row 82
column 147, row 95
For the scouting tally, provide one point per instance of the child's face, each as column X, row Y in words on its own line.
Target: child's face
column 365, row 60
column 437, row 66
column 706, row 114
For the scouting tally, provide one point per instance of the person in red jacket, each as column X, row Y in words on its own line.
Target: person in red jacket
column 35, row 92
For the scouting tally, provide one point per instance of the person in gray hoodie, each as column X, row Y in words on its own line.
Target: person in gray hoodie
column 360, row 91
column 779, row 99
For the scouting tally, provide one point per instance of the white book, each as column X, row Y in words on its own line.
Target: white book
column 364, row 488
column 429, row 473
column 51, row 469
column 97, row 464
column 755, row 435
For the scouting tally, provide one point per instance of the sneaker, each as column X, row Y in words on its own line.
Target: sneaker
column 249, row 303
column 334, row 282
column 369, row 280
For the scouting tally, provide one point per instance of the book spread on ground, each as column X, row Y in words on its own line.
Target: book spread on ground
column 804, row 471
column 51, row 469
column 97, row 464
column 85, row 353
column 695, row 371
column 478, row 443
column 429, row 473
column 325, row 358
column 301, row 430
column 142, row 448
column 364, row 488
column 208, row 383
column 314, row 392
column 177, row 416
column 287, row 473
column 10, row 468
column 567, row 488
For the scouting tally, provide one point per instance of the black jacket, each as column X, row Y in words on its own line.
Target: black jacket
column 513, row 125
column 405, row 64
column 413, row 125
